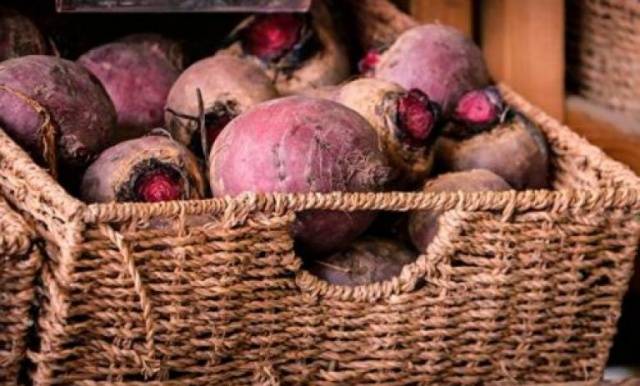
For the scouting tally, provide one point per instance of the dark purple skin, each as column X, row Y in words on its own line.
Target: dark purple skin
column 436, row 59
column 297, row 145
column 365, row 261
column 78, row 105
column 19, row 36
column 170, row 49
column 137, row 79
column 423, row 225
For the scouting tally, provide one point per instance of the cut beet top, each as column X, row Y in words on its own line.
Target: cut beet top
column 479, row 108
column 368, row 63
column 272, row 36
column 162, row 184
column 417, row 117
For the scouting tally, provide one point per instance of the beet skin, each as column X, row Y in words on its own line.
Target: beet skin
column 365, row 261
column 229, row 86
column 436, row 59
column 147, row 169
column 300, row 144
column 423, row 225
column 137, row 79
column 19, row 36
column 172, row 50
column 78, row 105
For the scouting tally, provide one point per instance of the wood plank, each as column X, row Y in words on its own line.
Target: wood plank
column 523, row 43
column 616, row 134
column 457, row 13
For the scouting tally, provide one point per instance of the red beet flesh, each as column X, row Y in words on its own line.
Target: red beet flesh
column 416, row 117
column 271, row 36
column 479, row 108
column 158, row 185
column 368, row 63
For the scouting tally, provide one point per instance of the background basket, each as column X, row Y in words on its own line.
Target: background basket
column 19, row 266
column 603, row 47
column 516, row 287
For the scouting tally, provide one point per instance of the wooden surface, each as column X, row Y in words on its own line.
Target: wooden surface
column 457, row 13
column 523, row 43
column 617, row 135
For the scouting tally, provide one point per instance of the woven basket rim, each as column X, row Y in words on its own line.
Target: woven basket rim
column 15, row 233
column 70, row 208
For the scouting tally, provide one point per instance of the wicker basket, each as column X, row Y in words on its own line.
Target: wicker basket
column 516, row 287
column 603, row 46
column 19, row 266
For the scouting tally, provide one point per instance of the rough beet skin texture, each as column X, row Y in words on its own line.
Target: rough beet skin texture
column 296, row 145
column 297, row 51
column 137, row 79
column 147, row 169
column 365, row 261
column 436, row 59
column 516, row 150
column 19, row 36
column 78, row 105
column 172, row 50
column 423, row 225
column 406, row 122
column 229, row 86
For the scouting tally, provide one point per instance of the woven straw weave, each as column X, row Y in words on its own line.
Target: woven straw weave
column 603, row 46
column 516, row 287
column 19, row 265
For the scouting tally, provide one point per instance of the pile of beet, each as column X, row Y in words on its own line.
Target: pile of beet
column 272, row 111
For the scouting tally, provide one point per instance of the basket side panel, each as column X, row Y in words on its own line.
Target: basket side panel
column 198, row 303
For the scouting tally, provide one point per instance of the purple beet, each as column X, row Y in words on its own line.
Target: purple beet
column 436, row 59
column 301, row 144
column 78, row 106
column 138, row 78
column 19, row 36
column 170, row 49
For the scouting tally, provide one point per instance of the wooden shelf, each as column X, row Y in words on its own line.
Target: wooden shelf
column 617, row 134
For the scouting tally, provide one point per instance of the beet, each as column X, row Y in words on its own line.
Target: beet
column 19, row 36
column 297, row 51
column 478, row 110
column 168, row 48
column 229, row 86
column 80, row 109
column 516, row 150
column 436, row 59
column 147, row 169
column 137, row 78
column 406, row 122
column 423, row 225
column 299, row 144
column 365, row 261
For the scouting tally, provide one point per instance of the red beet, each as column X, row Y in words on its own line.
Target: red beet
column 516, row 150
column 78, row 106
column 436, row 59
column 366, row 261
column 423, row 225
column 406, row 122
column 229, row 86
column 478, row 110
column 302, row 144
column 147, row 169
column 170, row 49
column 19, row 36
column 138, row 78
column 297, row 51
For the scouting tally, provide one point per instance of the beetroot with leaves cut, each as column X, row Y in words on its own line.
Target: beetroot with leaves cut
column 297, row 51
column 77, row 105
column 423, row 224
column 436, row 59
column 296, row 145
column 365, row 261
column 228, row 85
column 148, row 169
column 138, row 79
column 407, row 123
column 19, row 36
